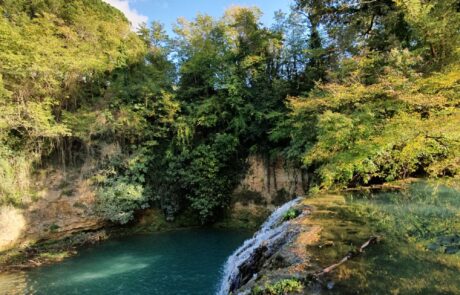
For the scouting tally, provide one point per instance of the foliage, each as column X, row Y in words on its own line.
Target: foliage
column 353, row 92
column 286, row 286
column 290, row 214
column 118, row 200
column 361, row 132
column 379, row 116
column 227, row 107
column 53, row 57
column 422, row 213
column 14, row 177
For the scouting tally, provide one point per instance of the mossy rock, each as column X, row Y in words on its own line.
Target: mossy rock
column 246, row 197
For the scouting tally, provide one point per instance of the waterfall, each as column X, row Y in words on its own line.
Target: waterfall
column 271, row 231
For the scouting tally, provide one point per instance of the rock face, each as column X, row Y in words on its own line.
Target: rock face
column 64, row 206
column 307, row 250
column 279, row 251
column 64, row 202
column 276, row 182
column 288, row 260
column 266, row 185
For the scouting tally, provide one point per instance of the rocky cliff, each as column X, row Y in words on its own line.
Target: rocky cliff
column 275, row 181
column 64, row 201
column 266, row 185
column 377, row 240
column 62, row 205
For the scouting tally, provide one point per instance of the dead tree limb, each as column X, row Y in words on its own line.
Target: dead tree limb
column 350, row 255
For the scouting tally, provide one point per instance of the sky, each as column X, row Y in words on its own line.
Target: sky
column 168, row 11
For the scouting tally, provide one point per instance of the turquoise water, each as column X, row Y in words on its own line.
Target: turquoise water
column 178, row 262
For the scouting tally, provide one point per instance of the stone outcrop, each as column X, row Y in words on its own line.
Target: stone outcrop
column 275, row 181
column 63, row 206
column 266, row 185
column 64, row 200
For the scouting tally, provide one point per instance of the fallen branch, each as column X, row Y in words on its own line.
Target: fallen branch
column 349, row 256
column 374, row 187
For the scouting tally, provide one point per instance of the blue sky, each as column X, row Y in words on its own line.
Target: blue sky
column 167, row 11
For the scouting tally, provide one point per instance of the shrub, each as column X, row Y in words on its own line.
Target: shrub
column 286, row 286
column 117, row 201
column 291, row 214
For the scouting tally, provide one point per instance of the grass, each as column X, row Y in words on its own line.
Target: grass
column 409, row 222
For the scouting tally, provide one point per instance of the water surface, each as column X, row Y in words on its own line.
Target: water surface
column 176, row 262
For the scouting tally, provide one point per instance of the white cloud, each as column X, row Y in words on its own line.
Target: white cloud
column 131, row 14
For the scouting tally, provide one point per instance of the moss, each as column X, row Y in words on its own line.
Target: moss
column 54, row 227
column 11, row 257
column 291, row 214
column 248, row 196
column 153, row 220
column 409, row 224
column 250, row 217
column 35, row 256
column 54, row 256
column 49, row 251
column 282, row 196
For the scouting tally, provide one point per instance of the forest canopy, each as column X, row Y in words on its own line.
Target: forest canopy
column 353, row 92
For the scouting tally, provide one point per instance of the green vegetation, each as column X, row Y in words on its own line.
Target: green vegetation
column 388, row 110
column 118, row 201
column 291, row 214
column 353, row 92
column 54, row 56
column 422, row 214
column 418, row 252
column 286, row 286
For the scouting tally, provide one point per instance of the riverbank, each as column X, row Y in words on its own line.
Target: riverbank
column 48, row 252
column 248, row 217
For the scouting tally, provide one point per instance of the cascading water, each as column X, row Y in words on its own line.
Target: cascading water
column 271, row 231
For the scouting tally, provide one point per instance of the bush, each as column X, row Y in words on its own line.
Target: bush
column 117, row 201
column 291, row 214
column 287, row 286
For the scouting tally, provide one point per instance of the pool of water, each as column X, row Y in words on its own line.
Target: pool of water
column 176, row 262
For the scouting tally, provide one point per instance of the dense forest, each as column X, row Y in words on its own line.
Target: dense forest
column 353, row 92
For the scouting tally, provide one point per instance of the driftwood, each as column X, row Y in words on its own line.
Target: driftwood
column 349, row 256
